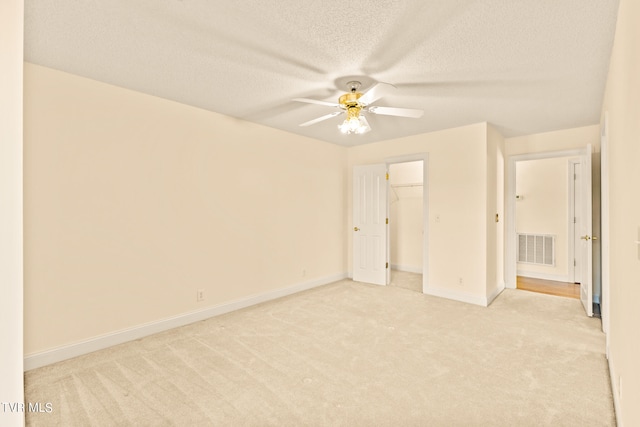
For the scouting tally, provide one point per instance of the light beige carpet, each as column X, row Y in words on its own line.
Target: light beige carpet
column 347, row 354
column 406, row 280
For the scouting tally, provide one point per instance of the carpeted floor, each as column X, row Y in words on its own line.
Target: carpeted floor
column 347, row 354
column 406, row 280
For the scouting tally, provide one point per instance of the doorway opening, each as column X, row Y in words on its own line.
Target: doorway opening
column 548, row 219
column 371, row 246
column 549, row 225
column 406, row 228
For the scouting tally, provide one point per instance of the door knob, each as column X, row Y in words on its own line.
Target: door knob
column 587, row 238
column 356, row 229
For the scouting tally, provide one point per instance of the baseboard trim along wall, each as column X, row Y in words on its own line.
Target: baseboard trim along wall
column 61, row 353
column 494, row 294
column 457, row 296
column 615, row 391
column 460, row 296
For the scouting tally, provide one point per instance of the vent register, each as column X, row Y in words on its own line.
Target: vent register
column 536, row 249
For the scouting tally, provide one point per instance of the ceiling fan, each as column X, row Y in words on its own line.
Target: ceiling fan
column 354, row 103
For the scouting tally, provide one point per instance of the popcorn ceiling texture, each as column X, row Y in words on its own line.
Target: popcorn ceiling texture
column 526, row 67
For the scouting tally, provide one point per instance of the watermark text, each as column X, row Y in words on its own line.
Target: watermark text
column 42, row 407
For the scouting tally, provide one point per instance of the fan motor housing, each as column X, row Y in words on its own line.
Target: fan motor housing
column 350, row 99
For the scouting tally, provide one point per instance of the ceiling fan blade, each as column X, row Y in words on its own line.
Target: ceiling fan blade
column 364, row 125
column 373, row 94
column 315, row 101
column 400, row 112
column 320, row 119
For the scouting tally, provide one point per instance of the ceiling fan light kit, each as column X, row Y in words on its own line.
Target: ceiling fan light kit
column 354, row 103
column 354, row 123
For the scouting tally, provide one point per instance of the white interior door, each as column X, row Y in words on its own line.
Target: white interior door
column 578, row 255
column 586, row 238
column 369, row 224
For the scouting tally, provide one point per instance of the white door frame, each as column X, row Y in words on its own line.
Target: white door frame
column 571, row 239
column 425, row 210
column 586, row 285
column 604, row 225
column 510, row 232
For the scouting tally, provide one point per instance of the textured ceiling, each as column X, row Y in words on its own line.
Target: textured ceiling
column 524, row 66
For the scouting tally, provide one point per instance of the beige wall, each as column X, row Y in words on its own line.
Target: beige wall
column 457, row 191
column 567, row 139
column 622, row 104
column 11, row 355
column 133, row 203
column 543, row 209
column 406, row 235
column 495, row 206
column 150, row 200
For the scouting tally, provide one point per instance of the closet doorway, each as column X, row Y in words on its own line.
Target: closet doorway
column 406, row 224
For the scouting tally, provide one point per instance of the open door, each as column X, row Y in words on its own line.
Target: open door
column 370, row 224
column 586, row 237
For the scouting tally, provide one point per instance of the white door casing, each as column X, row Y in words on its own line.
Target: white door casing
column 369, row 224
column 586, row 244
column 586, row 284
column 604, row 220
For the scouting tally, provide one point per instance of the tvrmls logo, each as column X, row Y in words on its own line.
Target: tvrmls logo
column 29, row 407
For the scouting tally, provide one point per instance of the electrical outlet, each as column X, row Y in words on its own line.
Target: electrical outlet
column 460, row 281
column 304, row 272
column 200, row 295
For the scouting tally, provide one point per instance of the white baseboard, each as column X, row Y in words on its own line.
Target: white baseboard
column 64, row 352
column 456, row 296
column 466, row 297
column 543, row 276
column 494, row 294
column 406, row 268
column 616, row 394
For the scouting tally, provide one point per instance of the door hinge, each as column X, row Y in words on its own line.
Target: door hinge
column 387, row 220
column 387, row 176
column 575, row 263
column 575, row 220
column 386, row 265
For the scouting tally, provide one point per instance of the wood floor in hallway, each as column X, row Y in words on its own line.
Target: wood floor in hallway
column 550, row 287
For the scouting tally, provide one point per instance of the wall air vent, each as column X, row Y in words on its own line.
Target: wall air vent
column 536, row 249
